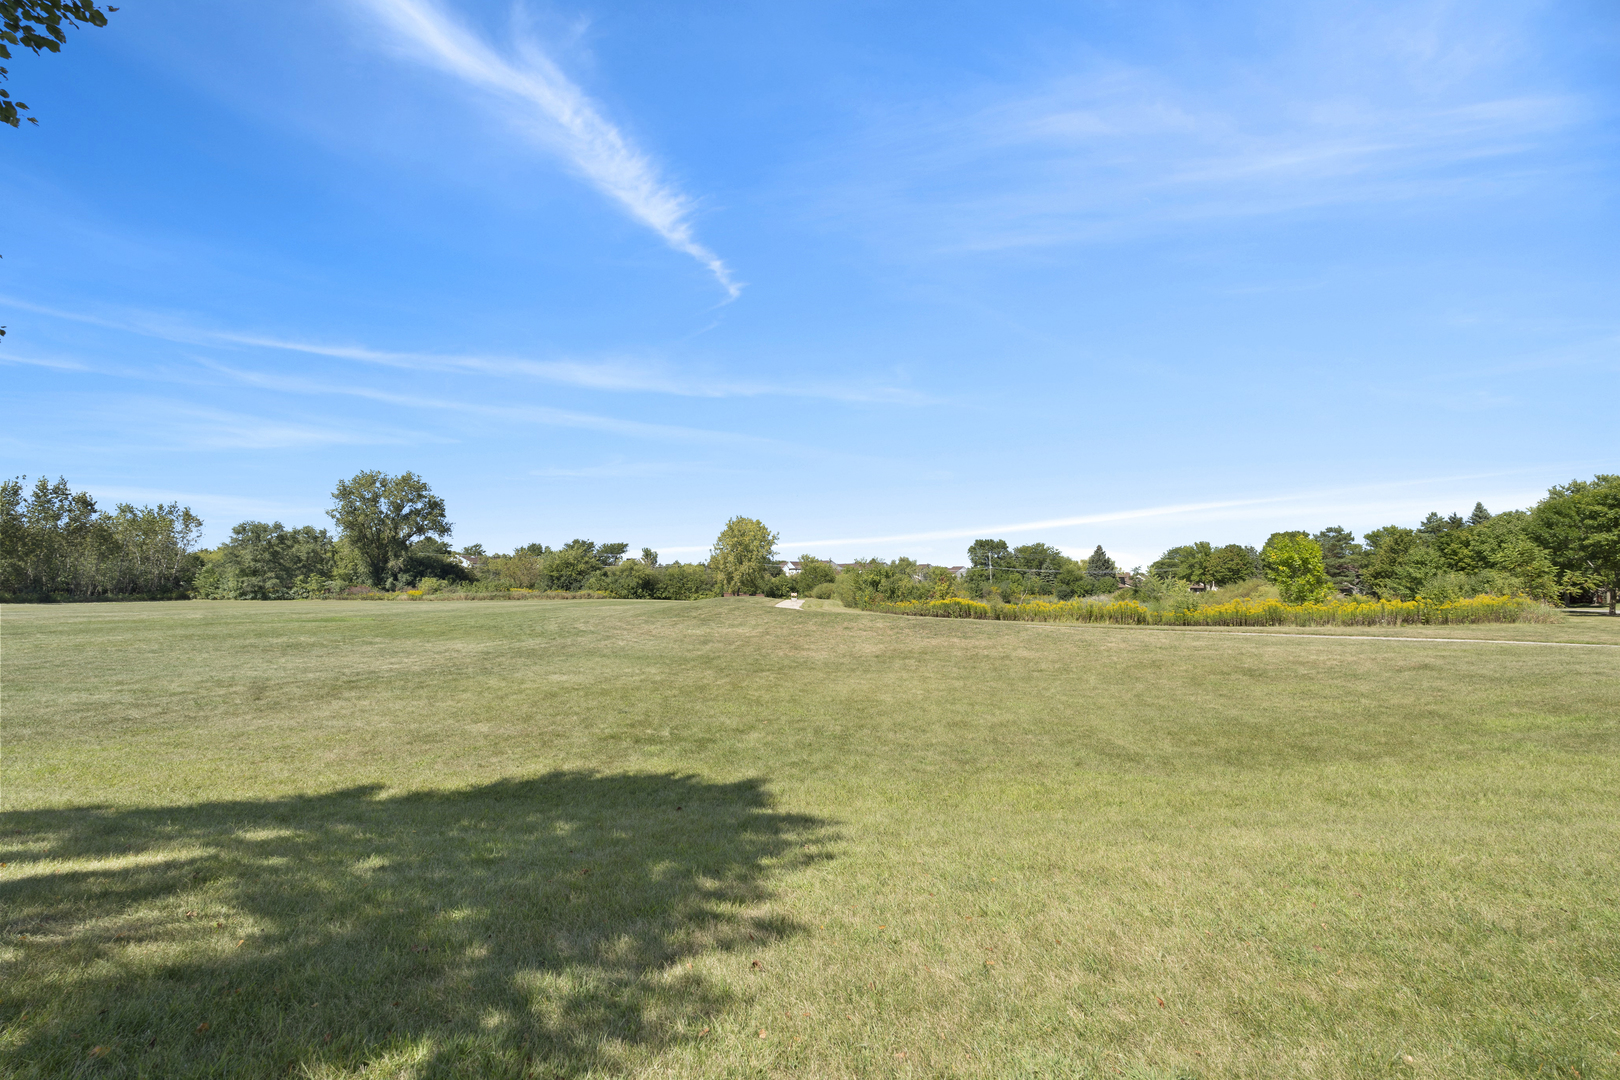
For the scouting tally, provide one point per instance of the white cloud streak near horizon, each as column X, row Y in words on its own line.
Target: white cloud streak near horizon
column 1330, row 501
column 562, row 117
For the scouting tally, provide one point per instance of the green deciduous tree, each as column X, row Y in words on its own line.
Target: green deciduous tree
column 875, row 581
column 1194, row 566
column 1231, row 564
column 569, row 567
column 631, row 579
column 742, row 555
column 983, row 553
column 381, row 516
column 57, row 543
column 813, row 572
column 266, row 562
column 686, row 581
column 1401, row 562
column 36, row 25
column 1168, row 565
column 611, row 554
column 1578, row 525
column 1294, row 565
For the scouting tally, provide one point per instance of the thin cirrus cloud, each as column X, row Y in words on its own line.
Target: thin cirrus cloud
column 163, row 422
column 591, row 376
column 561, row 116
column 1112, row 153
column 521, row 414
column 613, row 376
column 1378, row 498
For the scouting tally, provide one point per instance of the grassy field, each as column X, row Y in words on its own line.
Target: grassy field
column 722, row 839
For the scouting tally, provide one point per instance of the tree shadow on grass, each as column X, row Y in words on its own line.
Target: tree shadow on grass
column 547, row 927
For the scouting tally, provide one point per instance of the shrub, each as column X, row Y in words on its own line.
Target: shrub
column 1241, row 612
column 824, row 591
column 1296, row 568
column 814, row 573
column 686, row 581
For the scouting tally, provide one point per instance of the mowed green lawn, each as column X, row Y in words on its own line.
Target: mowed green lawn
column 722, row 839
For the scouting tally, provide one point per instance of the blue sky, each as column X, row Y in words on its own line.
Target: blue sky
column 888, row 277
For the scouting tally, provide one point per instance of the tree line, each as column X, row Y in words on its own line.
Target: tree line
column 392, row 535
column 56, row 542
column 1567, row 547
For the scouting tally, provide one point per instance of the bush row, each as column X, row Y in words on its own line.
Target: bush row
column 1242, row 612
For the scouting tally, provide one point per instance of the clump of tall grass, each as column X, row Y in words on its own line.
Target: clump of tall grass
column 1353, row 611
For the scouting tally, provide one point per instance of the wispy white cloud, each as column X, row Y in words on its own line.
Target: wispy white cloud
column 628, row 376
column 209, row 504
column 1106, row 150
column 163, row 423
column 954, row 533
column 629, row 469
column 1135, row 537
column 53, row 363
column 618, row 375
column 1391, row 500
column 529, row 414
column 559, row 115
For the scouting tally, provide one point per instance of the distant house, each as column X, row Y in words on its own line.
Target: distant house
column 793, row 566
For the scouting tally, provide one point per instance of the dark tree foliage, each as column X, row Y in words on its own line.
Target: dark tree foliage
column 1041, row 567
column 983, row 552
column 1435, row 525
column 266, row 562
column 813, row 572
column 631, row 579
column 1579, row 523
column 569, row 567
column 991, row 568
column 36, row 25
column 1099, row 566
column 1169, row 564
column 429, row 557
column 875, row 581
column 1341, row 556
column 586, row 566
column 1202, row 563
column 1194, row 566
column 1036, row 557
column 1480, row 515
column 56, row 543
column 1231, row 564
column 1398, row 561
